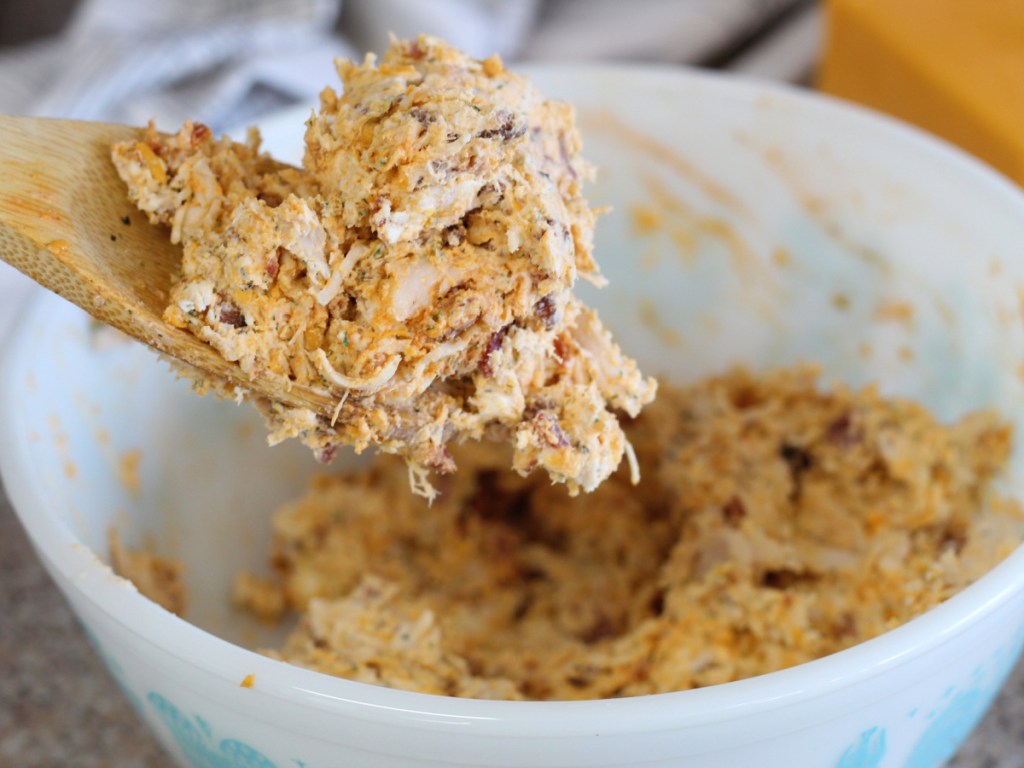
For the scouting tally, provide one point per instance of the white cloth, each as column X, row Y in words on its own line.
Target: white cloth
column 227, row 62
column 219, row 61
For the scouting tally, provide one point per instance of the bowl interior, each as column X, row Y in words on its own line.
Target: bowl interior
column 748, row 224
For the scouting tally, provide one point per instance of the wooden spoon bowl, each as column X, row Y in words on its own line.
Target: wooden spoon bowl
column 66, row 222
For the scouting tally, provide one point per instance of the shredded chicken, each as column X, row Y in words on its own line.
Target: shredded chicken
column 419, row 267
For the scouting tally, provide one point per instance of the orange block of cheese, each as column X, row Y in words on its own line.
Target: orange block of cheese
column 952, row 67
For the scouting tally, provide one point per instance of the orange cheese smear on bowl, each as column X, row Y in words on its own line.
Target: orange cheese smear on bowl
column 419, row 267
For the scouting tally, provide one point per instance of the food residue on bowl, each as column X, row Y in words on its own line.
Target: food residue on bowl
column 128, row 470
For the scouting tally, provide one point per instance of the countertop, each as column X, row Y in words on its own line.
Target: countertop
column 58, row 706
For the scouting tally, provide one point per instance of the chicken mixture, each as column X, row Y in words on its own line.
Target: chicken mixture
column 419, row 268
column 777, row 522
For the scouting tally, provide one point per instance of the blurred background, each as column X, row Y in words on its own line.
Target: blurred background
column 226, row 62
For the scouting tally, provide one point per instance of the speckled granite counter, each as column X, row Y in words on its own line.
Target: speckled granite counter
column 59, row 708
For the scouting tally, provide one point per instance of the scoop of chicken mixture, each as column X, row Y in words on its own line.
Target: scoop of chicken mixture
column 419, row 268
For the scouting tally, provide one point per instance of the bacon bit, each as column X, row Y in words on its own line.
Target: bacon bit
column 326, row 454
column 559, row 228
column 545, row 423
column 200, row 134
column 152, row 137
column 562, row 348
column 602, row 629
column 783, row 578
column 797, row 458
column 493, row 345
column 231, row 315
column 564, row 151
column 273, row 266
column 733, row 512
column 421, row 116
column 843, row 432
column 414, row 51
column 657, row 603
column 546, row 309
column 745, row 397
column 507, row 128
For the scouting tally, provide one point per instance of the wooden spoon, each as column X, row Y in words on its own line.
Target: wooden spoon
column 66, row 222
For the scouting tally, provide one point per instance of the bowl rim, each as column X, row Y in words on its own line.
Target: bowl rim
column 81, row 570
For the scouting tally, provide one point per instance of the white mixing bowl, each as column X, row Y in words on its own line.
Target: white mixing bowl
column 776, row 226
